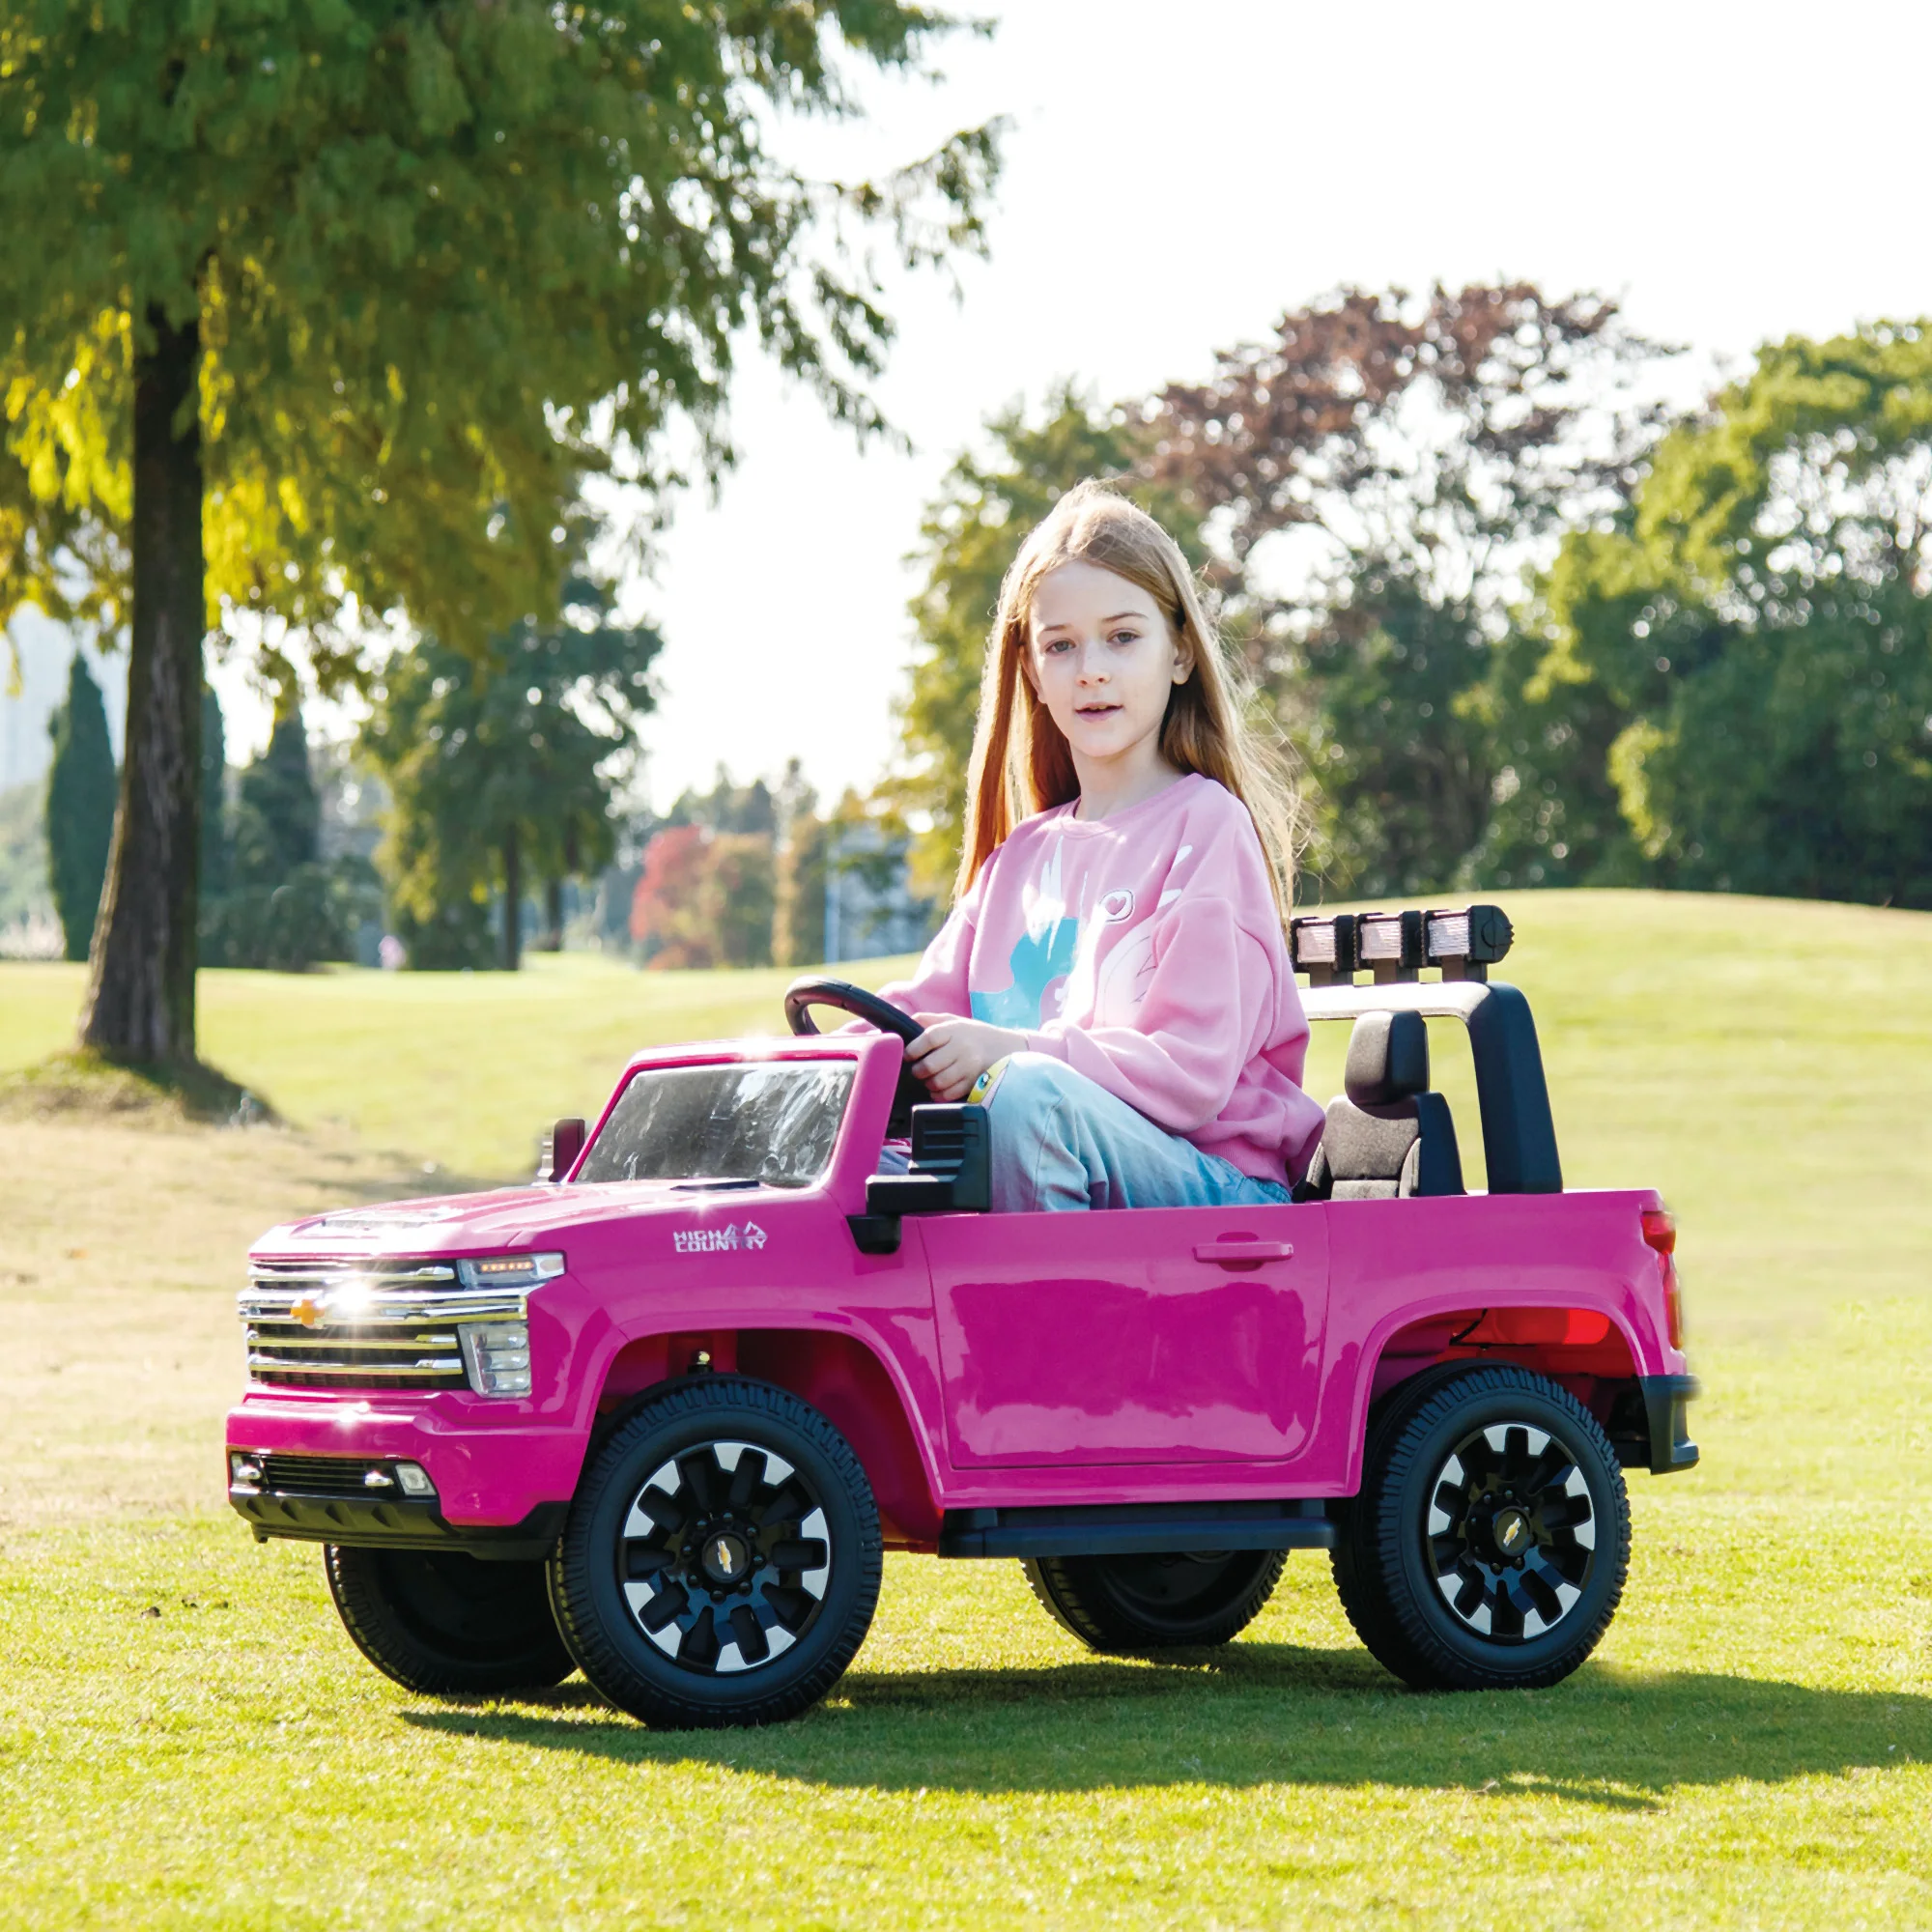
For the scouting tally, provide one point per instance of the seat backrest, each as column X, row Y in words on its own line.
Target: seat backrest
column 1389, row 1136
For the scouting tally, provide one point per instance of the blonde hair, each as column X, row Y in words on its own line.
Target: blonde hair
column 1021, row 760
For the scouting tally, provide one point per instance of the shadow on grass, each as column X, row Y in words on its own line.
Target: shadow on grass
column 89, row 1086
column 1259, row 1712
column 85, row 1087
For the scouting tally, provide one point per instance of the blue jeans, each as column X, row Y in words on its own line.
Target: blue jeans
column 1061, row 1140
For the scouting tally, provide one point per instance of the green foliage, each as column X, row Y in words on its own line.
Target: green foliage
column 720, row 883
column 798, row 886
column 971, row 533
column 727, row 807
column 505, row 772
column 309, row 916
column 278, row 814
column 423, row 244
column 738, row 898
column 1554, row 816
column 707, row 898
column 375, row 283
column 81, row 792
column 24, row 900
column 1747, row 665
column 740, row 876
column 284, row 909
column 1375, row 479
column 798, row 914
column 1375, row 698
column 214, row 838
column 1380, row 472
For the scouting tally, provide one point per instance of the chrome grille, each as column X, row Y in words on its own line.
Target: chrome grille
column 348, row 1325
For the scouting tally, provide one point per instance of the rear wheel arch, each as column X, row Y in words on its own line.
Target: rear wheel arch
column 1588, row 1350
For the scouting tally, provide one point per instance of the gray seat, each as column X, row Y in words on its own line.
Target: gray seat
column 1389, row 1137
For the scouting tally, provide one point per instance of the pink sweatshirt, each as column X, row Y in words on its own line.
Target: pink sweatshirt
column 1145, row 950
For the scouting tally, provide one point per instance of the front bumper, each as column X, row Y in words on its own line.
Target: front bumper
column 501, row 1482
column 403, row 1523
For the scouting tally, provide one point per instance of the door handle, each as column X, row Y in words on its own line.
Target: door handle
column 1244, row 1254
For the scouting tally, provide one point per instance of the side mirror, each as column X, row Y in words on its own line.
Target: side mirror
column 560, row 1148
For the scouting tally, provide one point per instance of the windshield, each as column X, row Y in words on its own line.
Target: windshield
column 769, row 1122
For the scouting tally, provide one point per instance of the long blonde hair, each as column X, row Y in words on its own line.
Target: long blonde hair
column 1021, row 760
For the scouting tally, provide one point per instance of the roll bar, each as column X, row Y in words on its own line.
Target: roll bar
column 1518, row 1135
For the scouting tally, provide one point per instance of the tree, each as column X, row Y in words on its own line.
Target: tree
column 664, row 921
column 738, row 896
column 727, row 807
column 505, row 775
column 969, row 534
column 351, row 295
column 1759, row 632
column 705, row 898
column 798, row 899
column 80, row 808
column 278, row 814
column 1379, row 474
column 214, row 796
column 279, row 906
column 798, row 912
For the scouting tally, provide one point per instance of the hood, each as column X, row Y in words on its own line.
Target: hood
column 505, row 1220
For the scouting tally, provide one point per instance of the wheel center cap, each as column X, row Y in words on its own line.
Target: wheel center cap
column 1512, row 1531
column 725, row 1557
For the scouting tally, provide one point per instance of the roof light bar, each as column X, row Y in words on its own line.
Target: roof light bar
column 1464, row 943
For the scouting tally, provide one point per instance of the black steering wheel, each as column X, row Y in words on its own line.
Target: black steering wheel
column 814, row 990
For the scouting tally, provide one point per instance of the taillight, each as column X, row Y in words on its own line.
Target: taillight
column 1660, row 1232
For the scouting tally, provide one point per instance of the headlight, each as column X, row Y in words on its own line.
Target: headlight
column 509, row 1270
column 498, row 1357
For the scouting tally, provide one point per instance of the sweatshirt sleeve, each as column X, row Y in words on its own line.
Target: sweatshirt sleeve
column 1204, row 1015
column 939, row 985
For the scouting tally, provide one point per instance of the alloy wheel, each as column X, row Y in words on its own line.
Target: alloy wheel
column 725, row 1557
column 1510, row 1531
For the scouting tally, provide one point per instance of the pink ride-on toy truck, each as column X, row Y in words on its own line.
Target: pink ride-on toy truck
column 660, row 1415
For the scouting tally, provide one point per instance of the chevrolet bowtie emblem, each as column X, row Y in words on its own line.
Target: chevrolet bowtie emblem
column 308, row 1312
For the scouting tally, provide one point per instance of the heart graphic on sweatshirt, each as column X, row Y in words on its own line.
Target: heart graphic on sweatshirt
column 1117, row 906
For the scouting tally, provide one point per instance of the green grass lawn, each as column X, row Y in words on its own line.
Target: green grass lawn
column 188, row 1739
column 462, row 1068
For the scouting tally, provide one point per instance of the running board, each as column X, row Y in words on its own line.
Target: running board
column 1137, row 1529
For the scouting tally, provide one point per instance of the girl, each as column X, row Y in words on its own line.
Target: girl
column 1112, row 981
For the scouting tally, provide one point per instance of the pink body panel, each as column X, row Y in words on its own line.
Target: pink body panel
column 1089, row 1358
column 1070, row 1340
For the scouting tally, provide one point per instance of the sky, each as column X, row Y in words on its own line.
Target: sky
column 1177, row 177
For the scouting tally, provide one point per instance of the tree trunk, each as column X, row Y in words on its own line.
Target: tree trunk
column 140, row 997
column 513, row 901
column 554, row 891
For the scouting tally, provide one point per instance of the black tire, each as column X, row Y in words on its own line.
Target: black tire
column 1134, row 1604
column 444, row 1623
column 722, row 1560
column 1489, row 1546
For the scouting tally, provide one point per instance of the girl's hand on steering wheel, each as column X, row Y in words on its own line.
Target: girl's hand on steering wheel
column 952, row 1053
